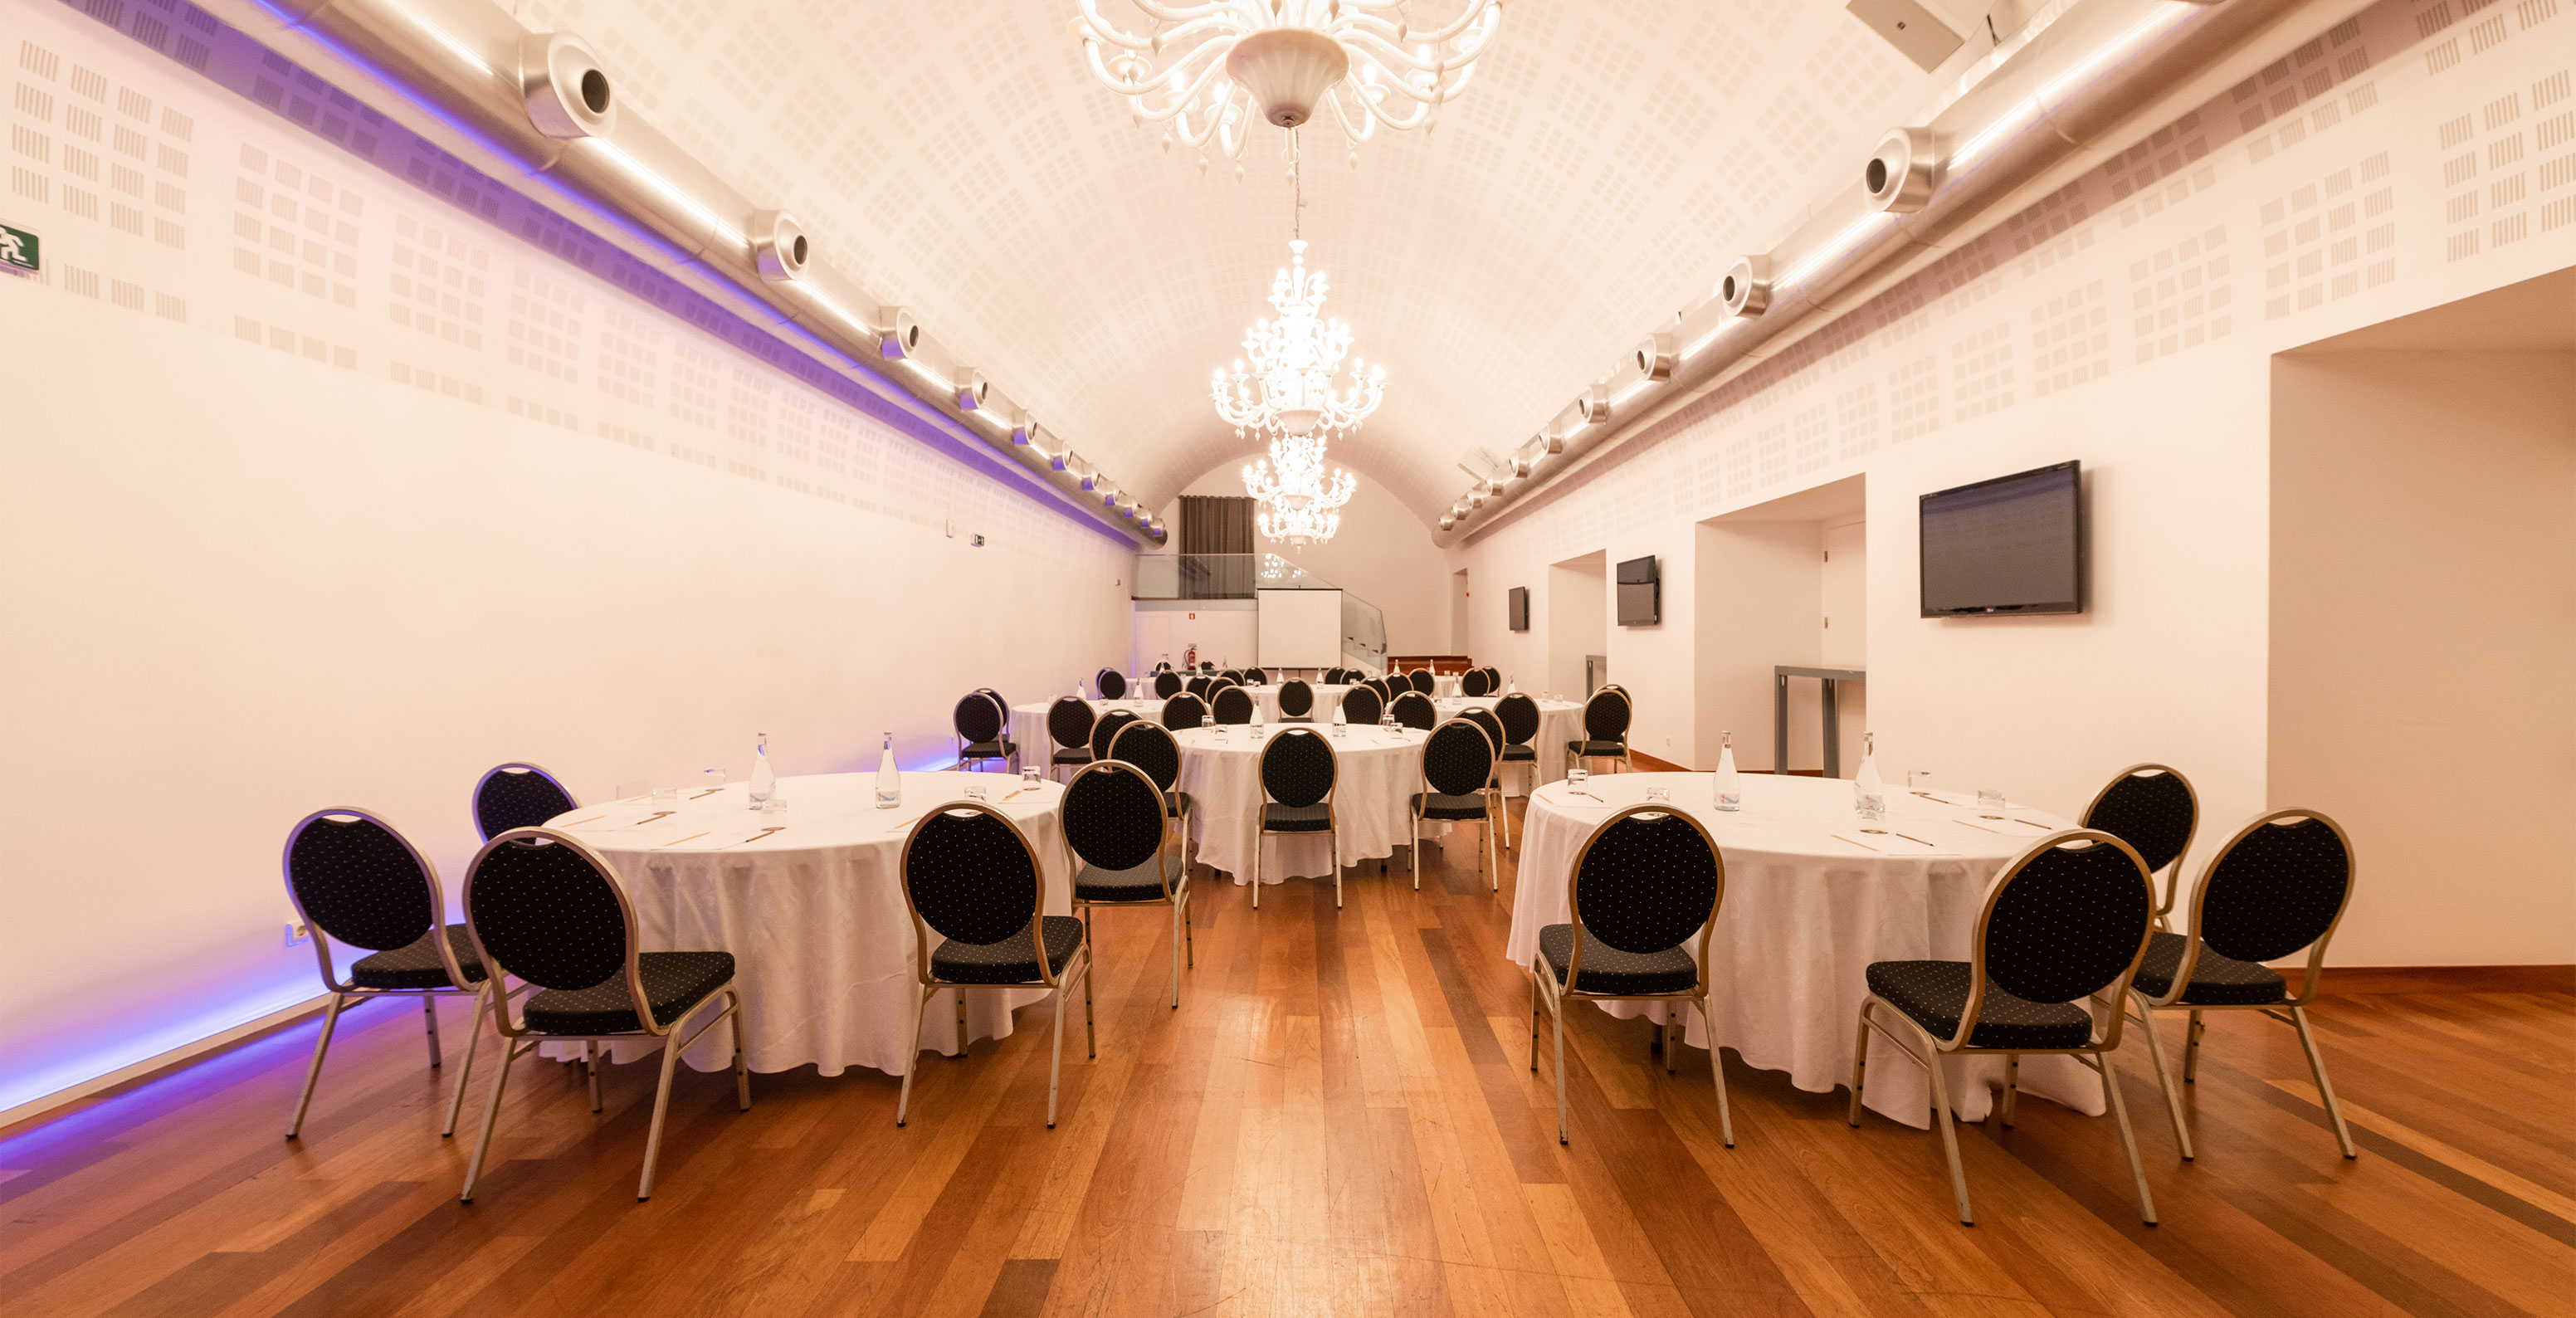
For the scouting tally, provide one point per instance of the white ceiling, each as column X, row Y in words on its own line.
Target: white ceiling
column 1609, row 159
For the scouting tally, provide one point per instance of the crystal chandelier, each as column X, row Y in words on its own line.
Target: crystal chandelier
column 1209, row 69
column 1297, row 500
column 1288, row 388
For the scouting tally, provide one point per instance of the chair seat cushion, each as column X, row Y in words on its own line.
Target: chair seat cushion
column 1177, row 801
column 2215, row 980
column 1607, row 970
column 416, row 965
column 1523, row 751
column 1597, row 747
column 674, row 982
column 998, row 749
column 1076, row 755
column 1014, row 960
column 1277, row 818
column 1435, row 805
column 1095, row 884
column 1933, row 992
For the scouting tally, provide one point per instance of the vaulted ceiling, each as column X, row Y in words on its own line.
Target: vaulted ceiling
column 958, row 158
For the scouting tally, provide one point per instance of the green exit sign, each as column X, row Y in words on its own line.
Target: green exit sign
column 18, row 249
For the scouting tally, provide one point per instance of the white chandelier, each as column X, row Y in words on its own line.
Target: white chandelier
column 1209, row 69
column 1297, row 501
column 1288, row 388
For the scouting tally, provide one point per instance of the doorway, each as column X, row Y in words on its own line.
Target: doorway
column 1458, row 633
column 1783, row 582
column 1578, row 620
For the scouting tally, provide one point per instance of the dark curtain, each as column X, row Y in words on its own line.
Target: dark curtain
column 1216, row 546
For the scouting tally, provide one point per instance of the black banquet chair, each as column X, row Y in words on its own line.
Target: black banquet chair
column 517, row 795
column 982, row 723
column 1232, row 704
column 1167, row 684
column 1104, row 731
column 1199, row 686
column 1361, row 705
column 2152, row 808
column 1645, row 887
column 1112, row 684
column 1125, row 853
column 2067, row 921
column 1474, row 683
column 1184, row 712
column 970, row 876
column 1413, row 710
column 1234, row 675
column 1520, row 719
column 354, row 877
column 2280, row 885
column 1069, row 721
column 546, row 909
column 1296, row 702
column 1605, row 730
column 1149, row 746
column 1298, row 773
column 1457, row 788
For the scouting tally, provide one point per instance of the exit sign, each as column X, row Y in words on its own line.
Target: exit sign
column 18, row 249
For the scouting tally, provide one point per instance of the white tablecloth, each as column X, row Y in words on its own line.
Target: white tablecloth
column 1559, row 721
column 1804, row 915
column 823, row 943
column 1029, row 725
column 1377, row 773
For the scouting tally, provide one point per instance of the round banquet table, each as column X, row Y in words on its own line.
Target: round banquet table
column 1804, row 914
column 1376, row 773
column 814, row 915
column 1559, row 721
column 1029, row 726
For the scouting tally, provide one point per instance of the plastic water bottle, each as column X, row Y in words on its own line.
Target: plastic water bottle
column 1869, row 792
column 1341, row 721
column 764, row 782
column 1256, row 718
column 889, row 779
column 1730, row 784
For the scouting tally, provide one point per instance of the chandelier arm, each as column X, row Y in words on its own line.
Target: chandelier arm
column 1170, row 13
column 1097, row 27
column 1178, row 101
column 1489, row 14
column 1421, row 113
column 1367, row 126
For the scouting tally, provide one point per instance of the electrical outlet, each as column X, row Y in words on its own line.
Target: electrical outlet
column 298, row 933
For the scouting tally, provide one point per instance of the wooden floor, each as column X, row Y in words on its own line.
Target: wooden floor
column 1338, row 1120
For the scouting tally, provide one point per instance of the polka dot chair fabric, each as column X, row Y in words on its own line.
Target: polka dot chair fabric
column 1298, row 769
column 357, row 880
column 1150, row 747
column 1167, row 684
column 2276, row 889
column 970, row 875
column 1646, row 882
column 1200, row 686
column 979, row 720
column 1362, row 704
column 1606, row 715
column 1114, row 821
column 674, row 982
column 1233, row 705
column 1296, row 700
column 1069, row 722
column 1519, row 717
column 1487, row 722
column 2216, row 979
column 1184, row 711
column 1457, row 761
column 2066, row 922
column 517, row 796
column 1012, row 960
column 1112, row 683
column 1934, row 993
column 548, row 913
column 417, row 965
column 1105, row 730
column 1474, row 683
column 1413, row 710
column 1609, row 971
column 2151, row 808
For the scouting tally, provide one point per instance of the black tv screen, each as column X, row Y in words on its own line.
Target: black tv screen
column 1520, row 608
column 1641, row 593
column 2011, row 545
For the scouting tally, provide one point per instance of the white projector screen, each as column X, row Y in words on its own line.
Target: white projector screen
column 1301, row 628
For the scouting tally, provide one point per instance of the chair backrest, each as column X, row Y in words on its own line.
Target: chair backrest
column 2281, row 884
column 1069, row 721
column 1647, row 877
column 2068, row 919
column 1605, row 715
column 1234, row 675
column 1361, row 704
column 353, row 877
column 1104, row 731
column 1331, row 677
column 1148, row 746
column 2153, row 809
column 1167, row 684
column 1112, row 684
column 979, row 718
column 1519, row 717
column 970, row 875
column 1183, row 712
column 544, row 907
column 1198, row 686
column 517, row 795
column 1256, row 677
column 1298, row 767
column 1207, row 665
column 1473, row 683
column 1458, row 758
column 1296, row 699
column 1233, row 704
column 1413, row 710
column 1493, row 726
column 1113, row 819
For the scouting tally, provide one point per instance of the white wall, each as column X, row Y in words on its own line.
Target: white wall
column 1383, row 554
column 266, row 551
column 1577, row 613
column 2423, row 631
column 2128, row 322
column 1226, row 636
column 1759, row 584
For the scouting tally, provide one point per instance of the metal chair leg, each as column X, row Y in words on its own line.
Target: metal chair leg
column 1717, row 1074
column 2164, row 1078
column 1258, row 837
column 1950, row 1138
column 1416, row 849
column 1860, row 1064
column 2191, row 1049
column 1090, row 1029
column 1533, row 985
column 429, row 1022
column 960, row 995
column 2012, row 1086
column 2325, row 1087
column 2128, row 1138
column 661, row 1104
column 1189, row 938
column 1178, row 925
column 590, row 1062
column 1672, row 1039
column 313, row 1069
column 491, row 1116
column 903, row 1100
column 1055, row 1066
column 741, row 1059
column 1556, row 1008
column 465, row 1076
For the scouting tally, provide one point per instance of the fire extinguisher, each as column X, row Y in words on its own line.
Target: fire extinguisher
column 1190, row 658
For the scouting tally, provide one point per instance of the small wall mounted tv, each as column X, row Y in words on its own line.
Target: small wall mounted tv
column 1520, row 608
column 2011, row 545
column 1641, row 593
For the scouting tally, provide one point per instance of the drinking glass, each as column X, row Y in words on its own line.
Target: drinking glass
column 974, row 791
column 1659, row 795
column 1918, row 780
column 715, row 781
column 1028, row 775
column 666, row 797
column 1577, row 774
column 1990, row 800
column 638, row 790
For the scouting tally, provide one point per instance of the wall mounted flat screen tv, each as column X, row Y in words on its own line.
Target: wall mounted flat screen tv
column 1641, row 593
column 2011, row 545
column 1520, row 608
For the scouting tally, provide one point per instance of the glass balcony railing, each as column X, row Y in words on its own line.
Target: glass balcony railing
column 1238, row 576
